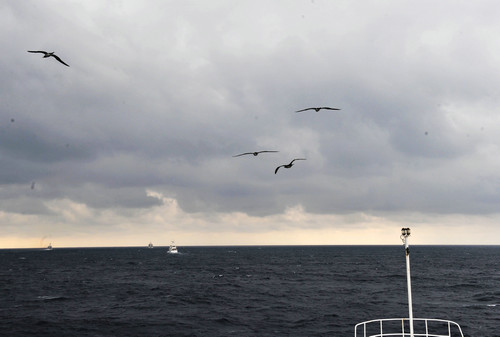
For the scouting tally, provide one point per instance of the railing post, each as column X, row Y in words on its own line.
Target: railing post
column 405, row 233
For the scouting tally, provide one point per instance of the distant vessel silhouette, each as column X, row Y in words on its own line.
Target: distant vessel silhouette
column 173, row 248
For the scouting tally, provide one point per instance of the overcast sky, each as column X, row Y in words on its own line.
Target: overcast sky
column 134, row 141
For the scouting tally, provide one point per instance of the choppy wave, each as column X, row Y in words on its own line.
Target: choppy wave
column 244, row 291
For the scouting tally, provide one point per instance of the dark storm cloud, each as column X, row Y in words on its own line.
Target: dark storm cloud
column 161, row 99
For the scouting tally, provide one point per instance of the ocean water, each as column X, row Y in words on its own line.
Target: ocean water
column 243, row 291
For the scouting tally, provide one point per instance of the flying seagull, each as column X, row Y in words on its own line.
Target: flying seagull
column 287, row 165
column 254, row 153
column 318, row 109
column 48, row 55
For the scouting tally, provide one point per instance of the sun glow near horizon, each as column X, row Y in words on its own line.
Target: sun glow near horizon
column 294, row 226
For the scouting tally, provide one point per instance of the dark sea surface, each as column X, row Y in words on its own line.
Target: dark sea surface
column 243, row 291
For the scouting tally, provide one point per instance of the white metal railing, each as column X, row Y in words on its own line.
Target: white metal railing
column 424, row 327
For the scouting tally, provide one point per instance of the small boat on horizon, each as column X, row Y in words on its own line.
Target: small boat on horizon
column 49, row 247
column 172, row 249
column 150, row 245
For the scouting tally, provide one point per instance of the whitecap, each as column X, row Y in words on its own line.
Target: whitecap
column 51, row 298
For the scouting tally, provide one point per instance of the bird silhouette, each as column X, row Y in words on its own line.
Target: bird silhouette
column 287, row 165
column 46, row 54
column 254, row 153
column 318, row 109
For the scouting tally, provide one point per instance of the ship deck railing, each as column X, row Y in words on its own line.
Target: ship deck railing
column 400, row 327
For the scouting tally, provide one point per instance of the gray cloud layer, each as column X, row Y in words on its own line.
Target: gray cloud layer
column 161, row 95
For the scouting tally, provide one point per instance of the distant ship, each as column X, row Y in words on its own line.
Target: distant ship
column 49, row 247
column 172, row 249
column 150, row 245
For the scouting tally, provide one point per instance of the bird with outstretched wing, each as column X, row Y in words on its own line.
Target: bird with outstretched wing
column 318, row 109
column 287, row 165
column 46, row 54
column 254, row 153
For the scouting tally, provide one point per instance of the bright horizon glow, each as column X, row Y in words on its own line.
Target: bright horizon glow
column 134, row 141
column 169, row 222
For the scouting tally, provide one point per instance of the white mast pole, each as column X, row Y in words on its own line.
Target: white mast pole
column 405, row 233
